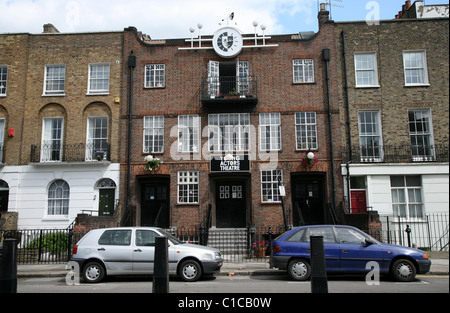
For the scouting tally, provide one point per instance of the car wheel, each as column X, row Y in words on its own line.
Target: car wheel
column 93, row 272
column 403, row 270
column 299, row 269
column 190, row 270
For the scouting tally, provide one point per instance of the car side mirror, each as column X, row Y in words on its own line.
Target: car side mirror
column 369, row 241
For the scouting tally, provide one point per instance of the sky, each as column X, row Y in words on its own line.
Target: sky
column 173, row 18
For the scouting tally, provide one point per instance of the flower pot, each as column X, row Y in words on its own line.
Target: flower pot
column 260, row 251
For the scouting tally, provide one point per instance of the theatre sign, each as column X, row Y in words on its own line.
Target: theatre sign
column 230, row 163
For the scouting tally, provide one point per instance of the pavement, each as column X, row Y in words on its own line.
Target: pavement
column 439, row 266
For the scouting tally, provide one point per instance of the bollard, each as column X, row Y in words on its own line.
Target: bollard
column 161, row 270
column 8, row 267
column 408, row 233
column 319, row 282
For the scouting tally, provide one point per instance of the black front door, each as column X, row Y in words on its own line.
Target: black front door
column 308, row 202
column 230, row 205
column 106, row 202
column 155, row 209
column 4, row 198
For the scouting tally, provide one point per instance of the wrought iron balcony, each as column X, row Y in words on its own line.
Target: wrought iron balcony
column 229, row 93
column 54, row 153
column 397, row 154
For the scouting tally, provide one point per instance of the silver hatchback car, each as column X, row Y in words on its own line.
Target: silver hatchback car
column 131, row 251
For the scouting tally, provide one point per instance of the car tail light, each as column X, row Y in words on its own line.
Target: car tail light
column 74, row 250
column 276, row 249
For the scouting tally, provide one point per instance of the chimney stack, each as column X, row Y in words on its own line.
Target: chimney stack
column 50, row 29
column 324, row 15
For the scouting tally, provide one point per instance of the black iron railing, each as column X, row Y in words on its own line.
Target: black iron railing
column 80, row 152
column 250, row 244
column 396, row 154
column 229, row 88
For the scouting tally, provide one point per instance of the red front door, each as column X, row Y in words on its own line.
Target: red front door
column 358, row 201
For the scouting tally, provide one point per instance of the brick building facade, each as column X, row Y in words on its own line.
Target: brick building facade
column 59, row 108
column 394, row 100
column 345, row 120
column 224, row 155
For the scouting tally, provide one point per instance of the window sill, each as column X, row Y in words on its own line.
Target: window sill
column 54, row 95
column 417, row 85
column 158, row 87
column 305, row 83
column 270, row 202
column 98, row 94
column 367, row 87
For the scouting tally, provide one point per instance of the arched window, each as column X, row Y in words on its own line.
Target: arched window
column 58, row 198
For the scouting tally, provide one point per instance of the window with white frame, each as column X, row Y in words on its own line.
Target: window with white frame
column 366, row 69
column 370, row 136
column 270, row 131
column 406, row 194
column 421, row 135
column 153, row 134
column 270, row 182
column 306, row 130
column 58, row 198
column 188, row 187
column 97, row 138
column 52, row 139
column 98, row 78
column 303, row 71
column 55, row 77
column 188, row 133
column 415, row 67
column 155, row 76
column 229, row 132
column 3, row 79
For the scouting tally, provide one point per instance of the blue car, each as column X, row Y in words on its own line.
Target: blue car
column 347, row 250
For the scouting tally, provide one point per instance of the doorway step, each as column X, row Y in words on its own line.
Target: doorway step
column 231, row 242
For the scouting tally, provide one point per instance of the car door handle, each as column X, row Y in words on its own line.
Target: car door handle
column 308, row 249
column 138, row 250
column 101, row 249
column 345, row 251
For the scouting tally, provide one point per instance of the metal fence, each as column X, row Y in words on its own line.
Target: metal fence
column 237, row 245
column 430, row 233
column 43, row 246
column 46, row 246
column 49, row 246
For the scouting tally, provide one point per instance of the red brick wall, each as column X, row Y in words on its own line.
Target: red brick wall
column 276, row 93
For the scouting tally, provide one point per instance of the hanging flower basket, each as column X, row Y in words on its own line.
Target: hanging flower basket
column 152, row 163
column 310, row 159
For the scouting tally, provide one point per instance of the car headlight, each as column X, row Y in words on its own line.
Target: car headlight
column 212, row 256
column 208, row 257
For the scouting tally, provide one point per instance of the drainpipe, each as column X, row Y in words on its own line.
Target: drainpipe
column 347, row 105
column 326, row 58
column 350, row 156
column 131, row 66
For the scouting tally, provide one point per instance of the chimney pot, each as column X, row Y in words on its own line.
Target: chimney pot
column 408, row 4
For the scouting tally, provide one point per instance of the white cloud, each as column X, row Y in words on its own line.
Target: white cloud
column 159, row 19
